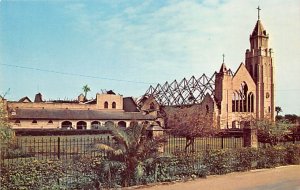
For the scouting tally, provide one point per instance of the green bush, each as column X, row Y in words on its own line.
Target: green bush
column 110, row 173
column 160, row 169
column 34, row 174
column 244, row 159
column 181, row 167
column 293, row 154
column 87, row 173
column 190, row 165
column 31, row 174
column 13, row 151
column 271, row 157
column 219, row 161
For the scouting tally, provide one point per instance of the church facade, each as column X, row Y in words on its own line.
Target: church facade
column 233, row 100
column 249, row 93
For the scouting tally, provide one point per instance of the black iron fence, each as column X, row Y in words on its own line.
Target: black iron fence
column 180, row 144
column 69, row 147
column 68, row 151
column 52, row 148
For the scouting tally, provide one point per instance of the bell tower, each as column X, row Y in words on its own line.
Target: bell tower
column 259, row 63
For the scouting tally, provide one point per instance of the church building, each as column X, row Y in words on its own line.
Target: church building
column 232, row 99
column 249, row 93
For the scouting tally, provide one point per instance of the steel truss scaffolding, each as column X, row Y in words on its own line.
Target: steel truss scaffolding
column 185, row 92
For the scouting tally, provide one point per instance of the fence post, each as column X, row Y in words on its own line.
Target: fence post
column 222, row 142
column 58, row 148
column 294, row 139
column 250, row 137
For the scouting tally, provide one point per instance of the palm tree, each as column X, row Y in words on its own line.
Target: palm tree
column 86, row 89
column 278, row 110
column 130, row 149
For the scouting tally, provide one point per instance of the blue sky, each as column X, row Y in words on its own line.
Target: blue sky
column 147, row 42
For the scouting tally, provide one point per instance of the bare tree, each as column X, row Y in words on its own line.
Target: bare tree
column 190, row 122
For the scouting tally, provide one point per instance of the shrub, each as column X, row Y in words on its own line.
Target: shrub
column 245, row 159
column 293, row 154
column 110, row 173
column 14, row 151
column 31, row 174
column 190, row 165
column 180, row 167
column 160, row 169
column 96, row 173
column 271, row 157
column 46, row 174
column 219, row 161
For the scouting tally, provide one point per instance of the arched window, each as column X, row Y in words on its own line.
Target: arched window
column 122, row 124
column 95, row 125
column 66, row 125
column 235, row 124
column 34, row 121
column 50, row 122
column 250, row 102
column 207, row 109
column 243, row 94
column 114, row 105
column 106, row 105
column 235, row 101
column 133, row 123
column 109, row 124
column 152, row 106
column 81, row 125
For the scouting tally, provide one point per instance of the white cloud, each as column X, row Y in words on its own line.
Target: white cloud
column 184, row 38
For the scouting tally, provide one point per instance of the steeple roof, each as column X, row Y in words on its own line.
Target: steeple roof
column 258, row 30
column 223, row 68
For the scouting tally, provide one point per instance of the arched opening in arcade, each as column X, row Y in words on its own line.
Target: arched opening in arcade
column 95, row 125
column 109, row 124
column 66, row 125
column 81, row 125
column 122, row 124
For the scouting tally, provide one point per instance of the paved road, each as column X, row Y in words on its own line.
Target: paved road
column 281, row 178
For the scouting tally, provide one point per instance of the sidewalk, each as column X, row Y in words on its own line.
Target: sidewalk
column 281, row 178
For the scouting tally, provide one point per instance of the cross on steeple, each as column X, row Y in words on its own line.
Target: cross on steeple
column 223, row 57
column 258, row 9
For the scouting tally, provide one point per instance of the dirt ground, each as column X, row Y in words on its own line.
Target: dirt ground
column 281, row 178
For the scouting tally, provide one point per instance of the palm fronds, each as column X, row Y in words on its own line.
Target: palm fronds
column 131, row 148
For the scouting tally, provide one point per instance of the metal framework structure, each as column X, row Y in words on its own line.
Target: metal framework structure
column 185, row 92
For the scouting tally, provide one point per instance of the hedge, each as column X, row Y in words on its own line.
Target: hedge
column 90, row 173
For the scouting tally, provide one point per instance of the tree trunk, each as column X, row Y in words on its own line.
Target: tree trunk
column 189, row 141
column 131, row 165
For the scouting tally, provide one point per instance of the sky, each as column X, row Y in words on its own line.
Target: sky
column 56, row 47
